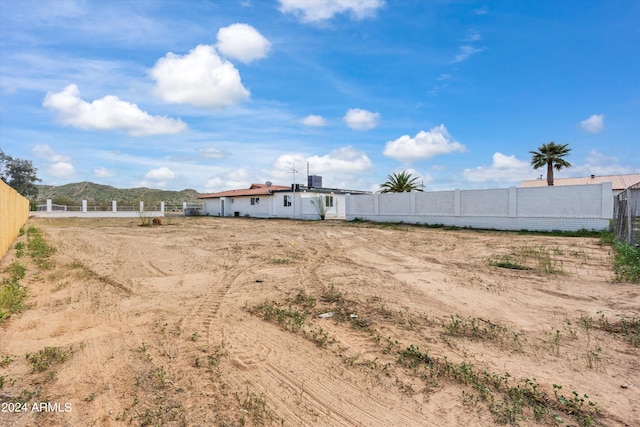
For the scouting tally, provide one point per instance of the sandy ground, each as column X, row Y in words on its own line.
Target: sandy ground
column 215, row 321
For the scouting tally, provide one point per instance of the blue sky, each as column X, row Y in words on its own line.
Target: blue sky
column 214, row 95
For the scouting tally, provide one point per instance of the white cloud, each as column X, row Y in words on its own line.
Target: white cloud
column 238, row 175
column 62, row 170
column 242, row 42
column 44, row 151
column 285, row 164
column 313, row 120
column 466, row 52
column 322, row 10
column 236, row 179
column 341, row 160
column 211, row 153
column 108, row 113
column 160, row 174
column 601, row 164
column 473, row 37
column 200, row 78
column 361, row 119
column 503, row 169
column 344, row 159
column 423, row 146
column 594, row 124
column 103, row 172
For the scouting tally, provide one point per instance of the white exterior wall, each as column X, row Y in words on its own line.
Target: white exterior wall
column 272, row 206
column 567, row 208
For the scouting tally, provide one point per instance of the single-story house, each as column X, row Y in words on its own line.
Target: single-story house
column 278, row 201
column 618, row 182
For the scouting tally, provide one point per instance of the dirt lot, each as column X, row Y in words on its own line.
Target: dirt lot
column 211, row 321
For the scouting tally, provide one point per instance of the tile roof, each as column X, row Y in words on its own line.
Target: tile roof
column 618, row 182
column 253, row 190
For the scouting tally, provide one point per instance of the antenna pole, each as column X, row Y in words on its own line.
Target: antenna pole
column 294, row 172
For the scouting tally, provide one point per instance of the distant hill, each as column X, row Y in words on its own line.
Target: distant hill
column 94, row 194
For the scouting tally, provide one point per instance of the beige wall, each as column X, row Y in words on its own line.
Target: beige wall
column 14, row 213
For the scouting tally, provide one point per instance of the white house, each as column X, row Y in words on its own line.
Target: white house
column 277, row 201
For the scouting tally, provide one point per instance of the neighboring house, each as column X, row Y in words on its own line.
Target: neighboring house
column 277, row 201
column 618, row 182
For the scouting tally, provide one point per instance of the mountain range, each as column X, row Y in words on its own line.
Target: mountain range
column 75, row 193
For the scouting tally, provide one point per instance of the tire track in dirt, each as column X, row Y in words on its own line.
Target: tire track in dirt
column 331, row 395
column 201, row 319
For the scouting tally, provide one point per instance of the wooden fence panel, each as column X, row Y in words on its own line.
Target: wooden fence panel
column 14, row 213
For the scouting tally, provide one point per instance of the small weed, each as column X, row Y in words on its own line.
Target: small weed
column 413, row 357
column 319, row 336
column 481, row 329
column 581, row 407
column 359, row 323
column 159, row 375
column 281, row 261
column 288, row 317
column 586, row 322
column 305, row 300
column 592, row 357
column 507, row 261
column 43, row 359
column 16, row 270
column 4, row 362
column 25, row 396
column 332, row 295
column 19, row 249
column 254, row 406
column 628, row 329
column 12, row 295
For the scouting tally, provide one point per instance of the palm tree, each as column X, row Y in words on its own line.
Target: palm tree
column 400, row 182
column 550, row 155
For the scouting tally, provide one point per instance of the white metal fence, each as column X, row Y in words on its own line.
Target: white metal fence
column 626, row 215
column 116, row 210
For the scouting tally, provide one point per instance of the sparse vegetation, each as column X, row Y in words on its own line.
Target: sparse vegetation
column 43, row 359
column 363, row 317
column 12, row 293
column 38, row 249
column 626, row 262
column 540, row 259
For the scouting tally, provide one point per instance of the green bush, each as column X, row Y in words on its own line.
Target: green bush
column 626, row 262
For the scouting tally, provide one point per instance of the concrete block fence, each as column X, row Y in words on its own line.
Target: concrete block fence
column 566, row 208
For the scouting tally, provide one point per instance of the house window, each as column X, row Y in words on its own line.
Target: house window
column 255, row 201
column 287, row 200
column 328, row 201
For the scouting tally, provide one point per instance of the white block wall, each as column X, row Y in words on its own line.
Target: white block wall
column 567, row 208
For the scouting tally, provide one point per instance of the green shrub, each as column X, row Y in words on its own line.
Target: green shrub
column 626, row 263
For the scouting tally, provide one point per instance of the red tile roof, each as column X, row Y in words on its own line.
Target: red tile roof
column 254, row 190
column 618, row 182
